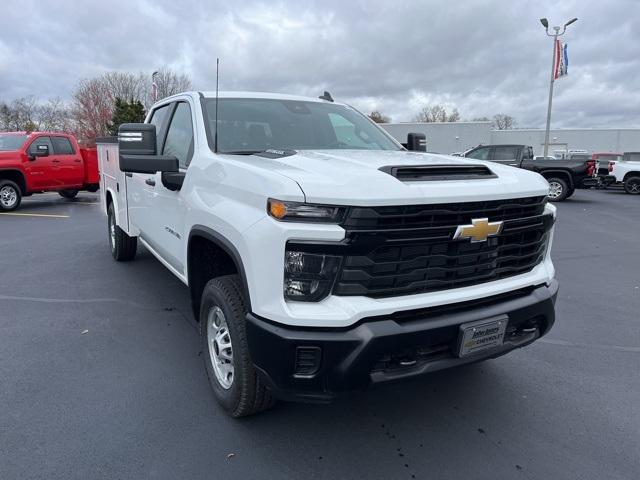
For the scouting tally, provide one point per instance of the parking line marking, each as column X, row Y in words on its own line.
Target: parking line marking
column 49, row 215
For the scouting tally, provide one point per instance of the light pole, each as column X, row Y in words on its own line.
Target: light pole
column 558, row 33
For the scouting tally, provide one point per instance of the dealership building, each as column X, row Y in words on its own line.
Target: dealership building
column 460, row 136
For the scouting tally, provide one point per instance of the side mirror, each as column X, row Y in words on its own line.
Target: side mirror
column 138, row 153
column 137, row 139
column 417, row 142
column 41, row 151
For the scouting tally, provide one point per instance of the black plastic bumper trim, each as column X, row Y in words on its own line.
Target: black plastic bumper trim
column 349, row 355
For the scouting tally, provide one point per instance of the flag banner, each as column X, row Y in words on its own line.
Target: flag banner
column 562, row 60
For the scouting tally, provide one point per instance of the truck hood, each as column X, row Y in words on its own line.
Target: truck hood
column 352, row 177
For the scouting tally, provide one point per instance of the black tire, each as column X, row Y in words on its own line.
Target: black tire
column 244, row 394
column 123, row 247
column 68, row 194
column 632, row 185
column 571, row 192
column 558, row 189
column 10, row 195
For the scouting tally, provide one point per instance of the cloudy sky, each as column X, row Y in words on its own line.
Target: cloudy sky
column 483, row 57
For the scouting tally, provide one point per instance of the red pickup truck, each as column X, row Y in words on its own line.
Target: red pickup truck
column 40, row 162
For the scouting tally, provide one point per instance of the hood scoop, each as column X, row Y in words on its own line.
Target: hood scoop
column 425, row 173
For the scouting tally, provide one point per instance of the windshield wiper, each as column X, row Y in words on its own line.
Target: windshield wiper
column 269, row 152
column 242, row 152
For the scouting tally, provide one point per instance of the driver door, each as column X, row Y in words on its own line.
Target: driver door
column 44, row 172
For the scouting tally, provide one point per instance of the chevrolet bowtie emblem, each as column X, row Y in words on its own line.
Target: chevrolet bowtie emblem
column 479, row 230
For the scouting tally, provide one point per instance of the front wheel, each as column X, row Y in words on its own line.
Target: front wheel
column 632, row 185
column 233, row 378
column 10, row 195
column 68, row 194
column 558, row 189
column 123, row 247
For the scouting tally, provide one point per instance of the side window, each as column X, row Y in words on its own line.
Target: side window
column 479, row 154
column 504, row 153
column 41, row 141
column 159, row 118
column 179, row 142
column 62, row 146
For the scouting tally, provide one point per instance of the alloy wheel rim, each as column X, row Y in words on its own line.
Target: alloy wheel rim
column 220, row 347
column 634, row 187
column 112, row 232
column 8, row 196
column 555, row 189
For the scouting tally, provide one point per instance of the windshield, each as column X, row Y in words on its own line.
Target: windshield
column 250, row 125
column 9, row 143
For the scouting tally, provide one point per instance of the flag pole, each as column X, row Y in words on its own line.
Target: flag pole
column 555, row 36
column 551, row 82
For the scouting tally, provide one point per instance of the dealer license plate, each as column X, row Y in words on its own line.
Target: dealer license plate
column 481, row 335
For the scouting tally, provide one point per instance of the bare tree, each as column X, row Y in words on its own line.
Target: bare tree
column 378, row 117
column 55, row 116
column 94, row 99
column 125, row 85
column 502, row 121
column 436, row 113
column 92, row 108
column 168, row 82
column 21, row 114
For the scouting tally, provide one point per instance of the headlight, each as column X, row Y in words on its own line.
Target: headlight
column 308, row 277
column 304, row 212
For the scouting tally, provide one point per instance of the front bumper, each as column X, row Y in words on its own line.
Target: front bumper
column 318, row 364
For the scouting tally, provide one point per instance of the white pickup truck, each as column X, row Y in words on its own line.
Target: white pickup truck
column 626, row 172
column 321, row 255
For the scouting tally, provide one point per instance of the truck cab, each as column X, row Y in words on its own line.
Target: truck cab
column 321, row 255
column 40, row 162
column 626, row 172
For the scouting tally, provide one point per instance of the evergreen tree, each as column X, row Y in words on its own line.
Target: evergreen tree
column 126, row 112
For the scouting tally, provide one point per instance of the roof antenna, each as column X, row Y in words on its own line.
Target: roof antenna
column 215, row 138
column 326, row 96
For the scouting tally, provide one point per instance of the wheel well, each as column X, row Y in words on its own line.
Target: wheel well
column 631, row 174
column 109, row 199
column 206, row 260
column 563, row 175
column 15, row 176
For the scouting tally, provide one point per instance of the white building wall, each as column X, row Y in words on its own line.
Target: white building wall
column 444, row 137
column 460, row 136
column 592, row 140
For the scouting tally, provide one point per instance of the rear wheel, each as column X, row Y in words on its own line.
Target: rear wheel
column 123, row 247
column 632, row 185
column 10, row 195
column 232, row 376
column 571, row 192
column 69, row 194
column 558, row 189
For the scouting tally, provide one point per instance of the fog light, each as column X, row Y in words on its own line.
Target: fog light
column 309, row 277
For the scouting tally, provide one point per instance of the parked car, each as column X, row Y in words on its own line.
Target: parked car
column 602, row 167
column 626, row 172
column 564, row 175
column 44, row 162
column 321, row 256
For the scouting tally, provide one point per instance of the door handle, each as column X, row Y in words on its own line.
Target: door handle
column 77, row 160
column 55, row 161
column 150, row 181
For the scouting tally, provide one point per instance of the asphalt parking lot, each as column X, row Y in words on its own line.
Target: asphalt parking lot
column 101, row 374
